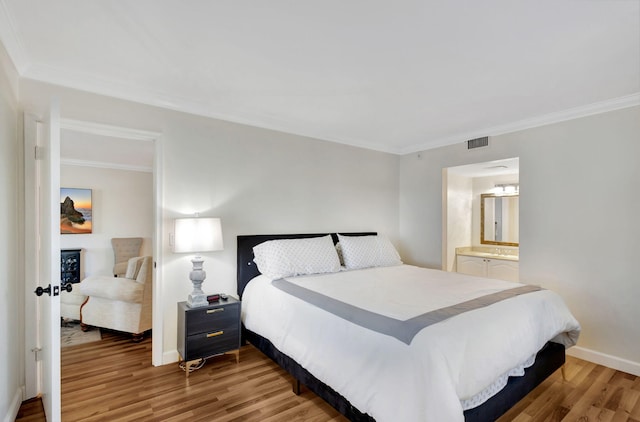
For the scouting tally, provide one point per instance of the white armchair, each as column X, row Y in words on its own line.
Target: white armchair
column 120, row 303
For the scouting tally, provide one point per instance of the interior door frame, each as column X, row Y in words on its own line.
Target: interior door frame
column 33, row 370
column 94, row 128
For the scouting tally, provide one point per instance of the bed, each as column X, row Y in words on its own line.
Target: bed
column 406, row 397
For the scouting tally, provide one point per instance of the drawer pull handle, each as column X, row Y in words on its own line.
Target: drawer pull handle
column 216, row 334
column 213, row 311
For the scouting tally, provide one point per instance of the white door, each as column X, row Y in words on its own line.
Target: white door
column 48, row 262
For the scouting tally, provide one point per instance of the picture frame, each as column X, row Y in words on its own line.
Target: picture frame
column 76, row 210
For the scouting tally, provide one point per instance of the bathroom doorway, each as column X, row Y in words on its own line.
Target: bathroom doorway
column 462, row 190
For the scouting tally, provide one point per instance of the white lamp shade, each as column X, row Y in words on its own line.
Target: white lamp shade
column 197, row 235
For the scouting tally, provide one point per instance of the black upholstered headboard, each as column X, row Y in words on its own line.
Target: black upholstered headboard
column 247, row 269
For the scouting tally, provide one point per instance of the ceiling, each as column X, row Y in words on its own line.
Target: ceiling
column 399, row 76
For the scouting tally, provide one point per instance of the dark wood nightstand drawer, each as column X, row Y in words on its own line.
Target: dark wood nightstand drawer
column 208, row 331
column 213, row 319
column 212, row 343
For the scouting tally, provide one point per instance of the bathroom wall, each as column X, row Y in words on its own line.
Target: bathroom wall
column 459, row 210
column 482, row 185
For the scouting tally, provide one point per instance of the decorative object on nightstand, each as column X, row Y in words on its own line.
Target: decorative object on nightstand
column 196, row 235
column 208, row 331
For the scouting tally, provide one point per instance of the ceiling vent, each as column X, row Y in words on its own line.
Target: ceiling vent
column 478, row 142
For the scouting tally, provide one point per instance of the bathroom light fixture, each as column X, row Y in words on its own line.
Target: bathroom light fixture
column 507, row 188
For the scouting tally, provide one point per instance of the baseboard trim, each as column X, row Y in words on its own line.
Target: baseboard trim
column 171, row 356
column 604, row 359
column 14, row 407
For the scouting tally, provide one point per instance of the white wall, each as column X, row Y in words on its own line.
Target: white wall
column 256, row 180
column 11, row 244
column 579, row 230
column 122, row 207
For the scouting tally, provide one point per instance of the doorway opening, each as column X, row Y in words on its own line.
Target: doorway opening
column 463, row 187
column 109, row 181
column 122, row 167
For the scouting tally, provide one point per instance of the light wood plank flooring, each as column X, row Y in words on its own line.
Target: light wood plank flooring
column 113, row 380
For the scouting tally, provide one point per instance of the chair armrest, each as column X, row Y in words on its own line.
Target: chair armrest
column 115, row 288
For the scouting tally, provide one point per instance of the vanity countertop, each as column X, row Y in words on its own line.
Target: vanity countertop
column 488, row 252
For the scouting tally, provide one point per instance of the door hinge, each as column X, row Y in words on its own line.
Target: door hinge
column 39, row 152
column 36, row 351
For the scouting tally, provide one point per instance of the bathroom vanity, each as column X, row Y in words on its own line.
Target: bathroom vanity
column 501, row 263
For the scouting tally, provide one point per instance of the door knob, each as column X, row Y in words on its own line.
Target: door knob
column 68, row 287
column 39, row 291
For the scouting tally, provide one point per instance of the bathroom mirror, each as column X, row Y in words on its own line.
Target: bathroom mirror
column 499, row 215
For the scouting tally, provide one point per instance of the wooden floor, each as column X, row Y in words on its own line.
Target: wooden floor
column 113, row 380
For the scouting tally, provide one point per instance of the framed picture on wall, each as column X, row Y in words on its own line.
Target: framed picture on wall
column 75, row 211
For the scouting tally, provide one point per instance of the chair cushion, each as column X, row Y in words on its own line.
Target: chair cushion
column 115, row 288
column 120, row 268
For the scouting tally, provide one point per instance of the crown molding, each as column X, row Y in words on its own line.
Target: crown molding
column 11, row 41
column 85, row 82
column 108, row 130
column 104, row 165
column 11, row 73
column 88, row 83
column 543, row 120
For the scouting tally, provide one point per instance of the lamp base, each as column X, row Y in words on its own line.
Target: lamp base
column 197, row 297
column 197, row 300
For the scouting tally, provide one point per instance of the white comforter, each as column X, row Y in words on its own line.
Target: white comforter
column 445, row 363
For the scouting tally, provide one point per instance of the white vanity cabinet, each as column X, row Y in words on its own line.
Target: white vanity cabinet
column 503, row 269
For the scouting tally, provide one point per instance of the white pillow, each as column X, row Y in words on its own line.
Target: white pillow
column 133, row 267
column 368, row 251
column 339, row 250
column 289, row 257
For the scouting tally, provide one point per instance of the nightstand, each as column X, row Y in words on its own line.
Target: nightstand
column 207, row 331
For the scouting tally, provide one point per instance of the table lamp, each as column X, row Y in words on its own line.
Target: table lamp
column 196, row 235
